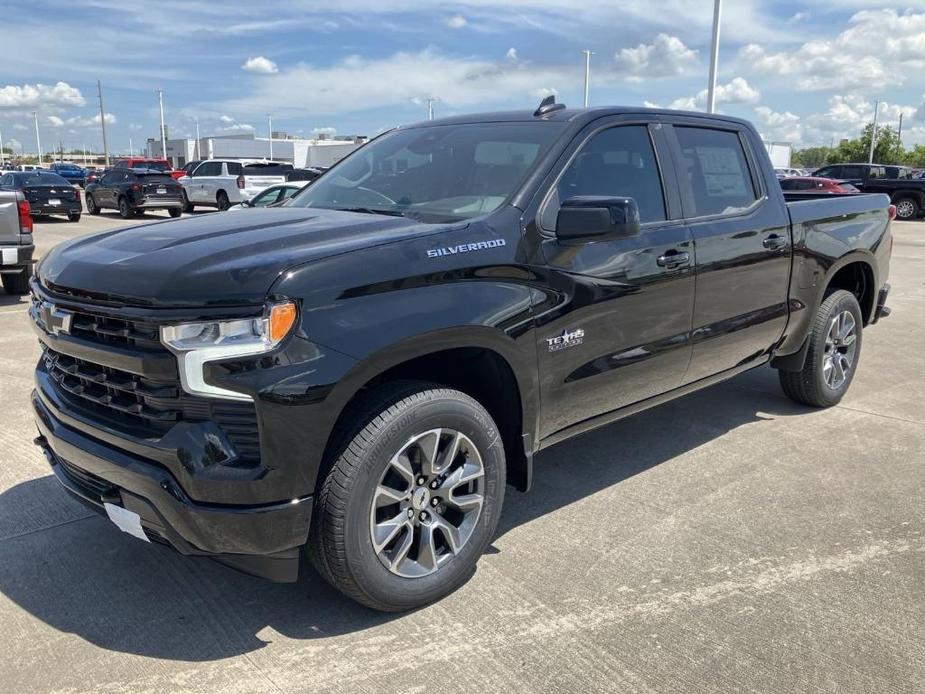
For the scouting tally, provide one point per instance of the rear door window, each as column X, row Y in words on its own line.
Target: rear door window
column 234, row 168
column 210, row 168
column 715, row 166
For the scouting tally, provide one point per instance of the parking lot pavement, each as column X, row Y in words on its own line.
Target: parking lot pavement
column 727, row 541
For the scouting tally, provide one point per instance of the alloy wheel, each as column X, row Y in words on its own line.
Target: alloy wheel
column 905, row 209
column 427, row 502
column 840, row 349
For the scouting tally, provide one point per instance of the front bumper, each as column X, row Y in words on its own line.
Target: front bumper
column 262, row 540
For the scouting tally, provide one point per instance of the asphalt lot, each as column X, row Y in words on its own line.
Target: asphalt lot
column 728, row 541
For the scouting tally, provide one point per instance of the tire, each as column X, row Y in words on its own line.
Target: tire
column 124, row 210
column 406, row 416
column 17, row 284
column 175, row 212
column 187, row 205
column 818, row 383
column 92, row 207
column 74, row 217
column 906, row 208
column 222, row 199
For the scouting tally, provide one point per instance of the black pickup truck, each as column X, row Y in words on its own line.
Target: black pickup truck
column 906, row 193
column 360, row 372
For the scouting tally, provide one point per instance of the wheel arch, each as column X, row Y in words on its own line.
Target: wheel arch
column 479, row 361
column 854, row 273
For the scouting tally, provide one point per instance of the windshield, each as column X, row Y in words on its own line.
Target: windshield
column 153, row 165
column 434, row 174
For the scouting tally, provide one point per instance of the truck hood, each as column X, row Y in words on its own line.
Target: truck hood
column 214, row 259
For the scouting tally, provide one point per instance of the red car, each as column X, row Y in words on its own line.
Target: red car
column 812, row 184
column 151, row 164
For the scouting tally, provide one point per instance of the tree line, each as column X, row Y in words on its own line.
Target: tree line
column 888, row 149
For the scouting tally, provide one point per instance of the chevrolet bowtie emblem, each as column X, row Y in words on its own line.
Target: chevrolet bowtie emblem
column 56, row 320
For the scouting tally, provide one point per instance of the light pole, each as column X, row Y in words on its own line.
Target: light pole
column 38, row 142
column 197, row 138
column 588, row 55
column 430, row 106
column 270, row 128
column 131, row 148
column 99, row 92
column 714, row 56
column 873, row 133
column 160, row 102
column 1, row 148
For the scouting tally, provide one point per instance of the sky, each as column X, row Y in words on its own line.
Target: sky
column 805, row 72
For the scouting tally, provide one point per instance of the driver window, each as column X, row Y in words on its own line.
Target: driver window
column 618, row 162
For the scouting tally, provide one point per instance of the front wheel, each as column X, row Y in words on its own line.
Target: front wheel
column 412, row 499
column 832, row 358
column 73, row 217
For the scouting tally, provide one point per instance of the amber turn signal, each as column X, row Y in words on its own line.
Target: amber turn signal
column 282, row 318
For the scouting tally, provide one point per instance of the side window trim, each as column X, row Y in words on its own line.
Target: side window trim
column 687, row 197
column 661, row 169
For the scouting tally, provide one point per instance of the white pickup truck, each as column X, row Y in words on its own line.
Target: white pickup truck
column 222, row 183
column 16, row 247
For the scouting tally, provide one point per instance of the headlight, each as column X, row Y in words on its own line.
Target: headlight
column 195, row 344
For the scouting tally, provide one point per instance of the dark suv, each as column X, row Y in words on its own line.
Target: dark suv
column 906, row 192
column 133, row 191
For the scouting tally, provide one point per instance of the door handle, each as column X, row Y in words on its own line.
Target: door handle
column 774, row 242
column 674, row 258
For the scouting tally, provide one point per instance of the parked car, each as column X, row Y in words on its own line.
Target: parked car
column 135, row 191
column 906, row 192
column 47, row 193
column 809, row 184
column 94, row 175
column 73, row 173
column 161, row 165
column 268, row 197
column 16, row 246
column 307, row 174
column 30, row 167
column 363, row 369
column 786, row 172
column 223, row 182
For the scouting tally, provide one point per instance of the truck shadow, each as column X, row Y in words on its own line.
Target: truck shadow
column 78, row 574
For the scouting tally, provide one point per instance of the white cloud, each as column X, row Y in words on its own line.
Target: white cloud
column 37, row 96
column 847, row 115
column 881, row 47
column 736, row 91
column 358, row 83
column 457, row 21
column 20, row 126
column 13, row 144
column 135, row 126
column 226, row 119
column 778, row 126
column 330, row 131
column 511, row 54
column 233, row 127
column 260, row 66
column 665, row 57
column 80, row 121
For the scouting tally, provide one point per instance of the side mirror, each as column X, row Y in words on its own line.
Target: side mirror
column 596, row 218
column 246, row 203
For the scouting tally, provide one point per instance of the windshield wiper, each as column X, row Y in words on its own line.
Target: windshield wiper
column 370, row 210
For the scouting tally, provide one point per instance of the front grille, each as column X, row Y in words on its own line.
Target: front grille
column 115, row 331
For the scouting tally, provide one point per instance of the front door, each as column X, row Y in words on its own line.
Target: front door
column 616, row 328
column 742, row 241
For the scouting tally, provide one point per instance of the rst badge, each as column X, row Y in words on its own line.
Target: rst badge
column 568, row 338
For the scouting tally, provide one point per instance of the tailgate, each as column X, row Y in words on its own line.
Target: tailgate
column 9, row 218
column 161, row 189
column 43, row 196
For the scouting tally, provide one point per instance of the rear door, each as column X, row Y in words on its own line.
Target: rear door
column 616, row 328
column 742, row 239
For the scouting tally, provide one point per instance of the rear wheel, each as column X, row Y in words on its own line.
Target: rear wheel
column 412, row 499
column 73, row 217
column 17, row 284
column 834, row 351
column 222, row 200
column 124, row 210
column 91, row 205
column 907, row 208
column 175, row 211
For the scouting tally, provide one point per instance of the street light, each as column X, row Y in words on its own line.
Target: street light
column 714, row 56
column 38, row 142
column 588, row 55
column 270, row 128
column 160, row 101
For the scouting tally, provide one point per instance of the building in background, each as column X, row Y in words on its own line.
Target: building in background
column 322, row 151
column 780, row 153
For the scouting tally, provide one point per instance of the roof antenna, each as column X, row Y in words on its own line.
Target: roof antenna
column 548, row 105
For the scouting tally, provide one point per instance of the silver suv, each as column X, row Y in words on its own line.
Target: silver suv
column 222, row 183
